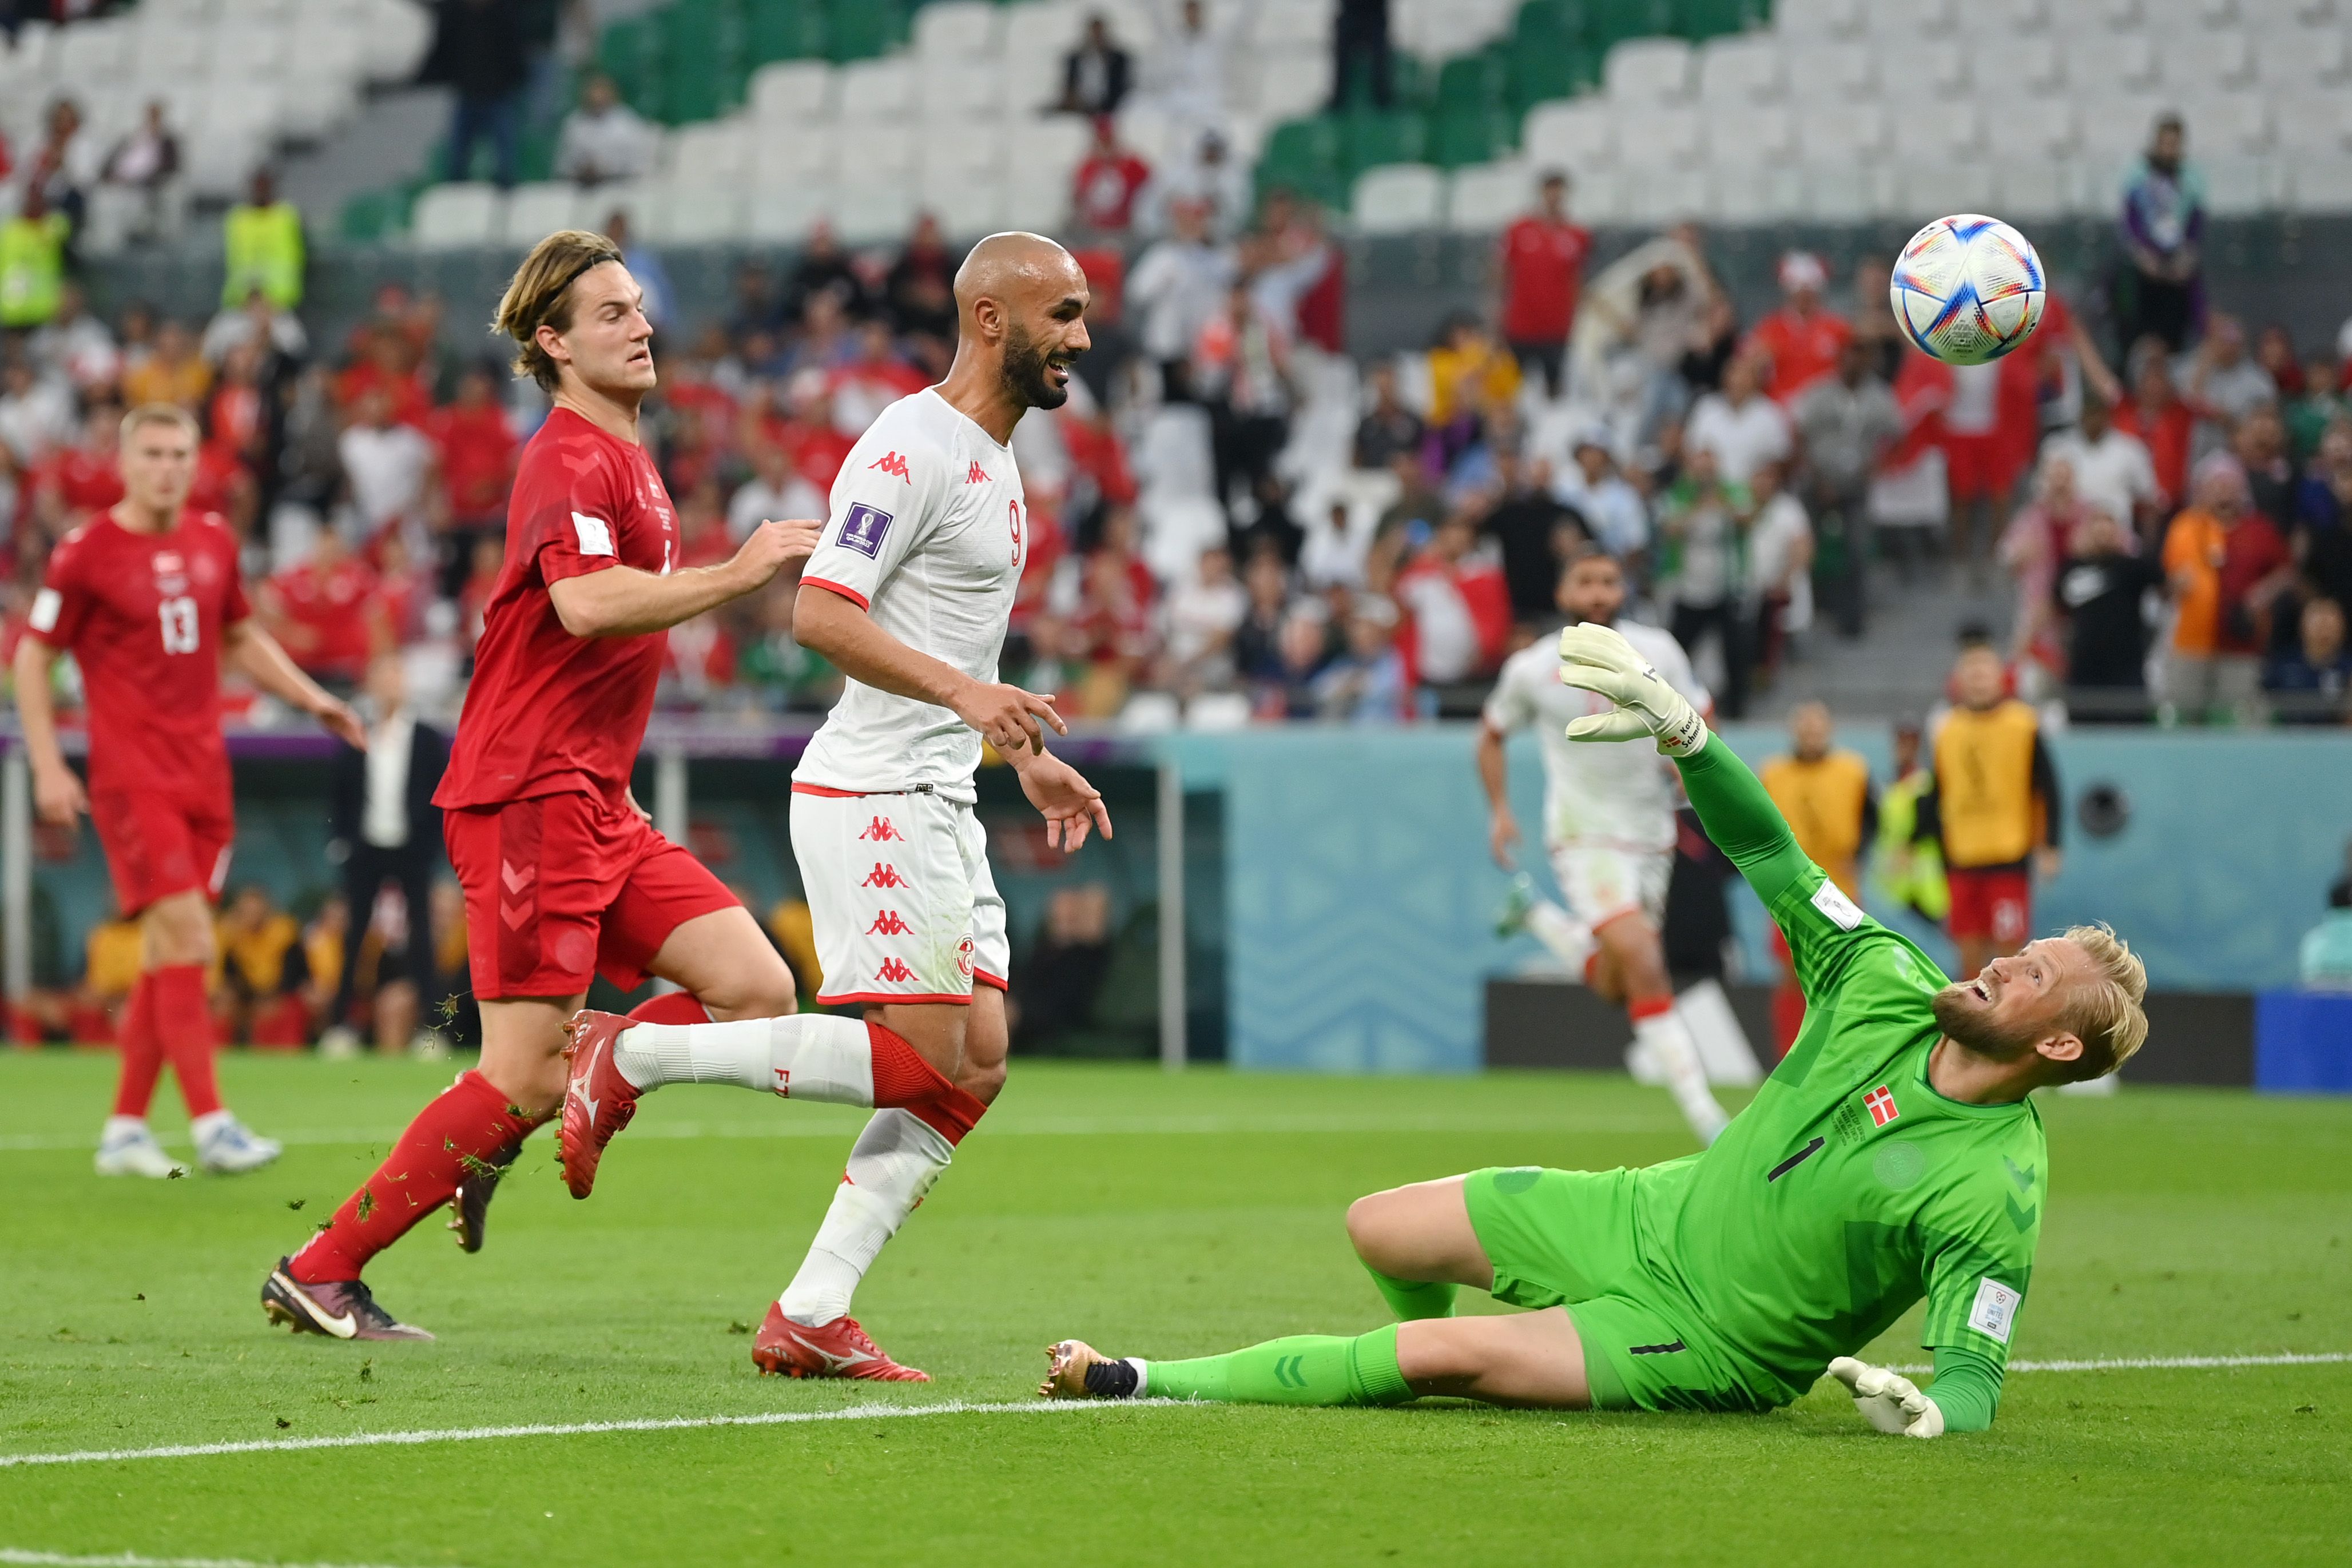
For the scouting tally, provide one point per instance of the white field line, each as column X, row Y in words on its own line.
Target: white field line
column 10, row 1555
column 949, row 1407
column 843, row 1128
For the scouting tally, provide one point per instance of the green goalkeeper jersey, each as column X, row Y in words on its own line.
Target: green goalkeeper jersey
column 1849, row 1188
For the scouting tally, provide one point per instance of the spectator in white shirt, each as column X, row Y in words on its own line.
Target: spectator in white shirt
column 76, row 344
column 1176, row 286
column 1612, row 509
column 1210, row 178
column 1336, row 548
column 604, row 138
column 36, row 411
column 2113, row 471
column 774, row 490
column 1203, row 613
column 1188, row 68
column 1739, row 424
column 2223, row 383
column 387, row 464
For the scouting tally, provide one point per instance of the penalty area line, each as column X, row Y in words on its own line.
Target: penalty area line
column 588, row 1428
column 15, row 1554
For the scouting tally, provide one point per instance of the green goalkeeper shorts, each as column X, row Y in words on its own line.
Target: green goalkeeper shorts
column 1568, row 1238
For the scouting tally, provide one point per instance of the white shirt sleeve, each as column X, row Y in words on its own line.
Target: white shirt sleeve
column 889, row 491
column 1510, row 705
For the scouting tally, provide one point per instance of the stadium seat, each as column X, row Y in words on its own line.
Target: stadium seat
column 1661, row 138
column 2027, row 130
column 1909, row 67
column 1285, row 24
column 958, row 32
column 1831, row 69
column 2171, row 17
column 874, row 155
column 2313, row 124
column 2229, row 125
column 1484, row 197
column 1055, row 146
column 790, row 91
column 1399, row 198
column 947, row 90
column 1842, row 190
column 877, row 90
column 1748, row 135
column 2117, row 126
column 1955, row 134
column 2321, row 184
column 537, row 210
column 714, row 155
column 2034, row 188
column 2289, row 59
column 783, row 214
column 398, row 34
column 1666, row 195
column 1046, row 30
column 1918, row 191
column 1903, row 19
column 2201, row 62
column 870, row 214
column 2013, row 69
column 700, row 215
column 455, row 215
column 1291, row 82
column 1648, row 70
column 966, row 206
column 1764, row 192
column 794, row 154
column 1746, row 67
column 2237, row 184
column 1571, row 135
column 1811, row 19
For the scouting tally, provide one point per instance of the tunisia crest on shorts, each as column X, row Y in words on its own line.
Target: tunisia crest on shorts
column 964, row 957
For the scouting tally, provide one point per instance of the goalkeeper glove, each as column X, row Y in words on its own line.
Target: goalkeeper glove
column 1888, row 1400
column 1598, row 660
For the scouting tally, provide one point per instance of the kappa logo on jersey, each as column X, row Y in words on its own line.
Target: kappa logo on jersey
column 887, row 924
column 884, row 876
column 863, row 528
column 977, row 475
column 1880, row 1103
column 963, row 956
column 881, row 831
column 891, row 463
column 895, row 971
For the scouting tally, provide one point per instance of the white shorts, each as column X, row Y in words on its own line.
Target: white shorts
column 901, row 897
column 1600, row 881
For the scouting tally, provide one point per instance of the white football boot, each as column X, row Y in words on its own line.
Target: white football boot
column 226, row 1146
column 128, row 1148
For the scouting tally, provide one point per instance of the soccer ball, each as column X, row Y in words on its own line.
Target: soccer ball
column 1967, row 289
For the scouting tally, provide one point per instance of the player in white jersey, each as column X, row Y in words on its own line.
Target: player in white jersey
column 909, row 594
column 1609, row 827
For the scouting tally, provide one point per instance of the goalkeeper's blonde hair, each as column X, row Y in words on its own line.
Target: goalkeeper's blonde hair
column 2104, row 1012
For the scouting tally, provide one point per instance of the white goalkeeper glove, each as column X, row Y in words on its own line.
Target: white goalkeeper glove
column 1888, row 1400
column 1598, row 660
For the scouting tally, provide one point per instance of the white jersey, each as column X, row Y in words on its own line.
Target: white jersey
column 1617, row 794
column 928, row 532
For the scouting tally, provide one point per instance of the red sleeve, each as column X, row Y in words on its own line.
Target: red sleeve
column 62, row 607
column 573, row 513
column 234, row 607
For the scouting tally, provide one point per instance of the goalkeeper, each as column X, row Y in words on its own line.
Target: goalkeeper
column 1893, row 1154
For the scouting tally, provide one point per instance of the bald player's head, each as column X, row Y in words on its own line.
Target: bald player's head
column 1021, row 300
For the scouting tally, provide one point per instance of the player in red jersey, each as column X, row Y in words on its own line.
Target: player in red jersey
column 147, row 600
column 565, row 877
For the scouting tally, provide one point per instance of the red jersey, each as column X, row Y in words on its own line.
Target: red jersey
column 2166, row 434
column 478, row 452
column 549, row 712
column 1801, row 350
column 143, row 615
column 84, row 481
column 1543, row 268
column 332, row 615
column 1103, row 191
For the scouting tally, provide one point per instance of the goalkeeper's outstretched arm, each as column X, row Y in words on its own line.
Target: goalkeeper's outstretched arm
column 1731, row 802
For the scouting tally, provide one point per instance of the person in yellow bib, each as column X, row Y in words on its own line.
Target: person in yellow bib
column 264, row 240
column 1825, row 794
column 32, row 263
column 1995, row 809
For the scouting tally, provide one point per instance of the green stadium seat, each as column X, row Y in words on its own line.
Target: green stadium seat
column 629, row 52
column 1370, row 139
column 1699, row 20
column 1480, row 81
column 1536, row 77
column 862, row 29
column 1305, row 155
column 702, row 72
column 1552, row 22
column 1620, row 19
column 373, row 216
column 1460, row 136
column 783, row 30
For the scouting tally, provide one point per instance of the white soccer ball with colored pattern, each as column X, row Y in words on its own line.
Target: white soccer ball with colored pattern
column 1967, row 289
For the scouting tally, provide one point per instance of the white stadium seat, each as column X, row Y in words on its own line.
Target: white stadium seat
column 2313, row 125
column 792, row 90
column 2195, row 62
column 2291, row 58
column 2004, row 18
column 537, row 210
column 1920, row 190
column 1743, row 66
column 2118, row 125
column 713, row 155
column 1823, row 71
column 453, row 216
column 701, row 215
column 871, row 214
column 2031, row 130
column 876, row 155
column 2168, row 16
column 2233, row 125
column 1037, row 148
column 1045, row 29
column 1667, row 196
column 1279, row 26
column 1573, row 134
column 947, row 90
column 1953, row 133
column 877, row 90
column 1291, row 82
column 1662, row 138
column 1909, row 68
column 398, row 33
column 967, row 151
column 966, row 33
column 1748, row 135
column 1648, row 70
column 1840, row 192
column 1484, row 197
column 2007, row 69
column 1910, row 18
column 1763, row 194
column 966, row 201
column 792, row 154
column 2321, row 185
column 1399, row 198
column 2237, row 184
column 2034, row 188
column 644, row 203
column 1817, row 18
column 784, row 214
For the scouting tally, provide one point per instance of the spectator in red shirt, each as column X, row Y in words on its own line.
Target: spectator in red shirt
column 1801, row 341
column 702, row 537
column 2155, row 414
column 476, row 446
column 1458, row 607
column 1542, row 269
column 74, row 481
column 1104, row 190
column 876, row 377
column 329, row 613
column 389, row 363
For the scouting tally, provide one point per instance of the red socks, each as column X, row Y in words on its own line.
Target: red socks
column 902, row 1078
column 678, row 1006
column 182, row 1022
column 143, row 1053
column 467, row 1126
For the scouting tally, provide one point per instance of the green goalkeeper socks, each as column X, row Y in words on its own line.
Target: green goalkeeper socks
column 1409, row 1300
column 1304, row 1369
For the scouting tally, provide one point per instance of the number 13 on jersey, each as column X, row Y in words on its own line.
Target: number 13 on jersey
column 183, row 631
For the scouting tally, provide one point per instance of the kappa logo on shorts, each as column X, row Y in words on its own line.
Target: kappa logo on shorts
column 887, row 924
column 884, row 876
column 895, row 971
column 963, row 956
column 862, row 528
column 892, row 463
column 977, row 475
column 1880, row 1103
column 882, row 832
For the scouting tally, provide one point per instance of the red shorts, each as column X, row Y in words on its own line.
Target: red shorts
column 1996, row 904
column 563, row 887
column 158, row 843
column 1980, row 466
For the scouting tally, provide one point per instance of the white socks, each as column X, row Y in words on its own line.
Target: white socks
column 1669, row 1043
column 893, row 1164
column 1570, row 939
column 806, row 1056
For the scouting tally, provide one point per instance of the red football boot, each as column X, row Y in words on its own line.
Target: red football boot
column 598, row 1102
column 838, row 1349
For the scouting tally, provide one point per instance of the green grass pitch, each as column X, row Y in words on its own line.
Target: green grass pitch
column 1150, row 1214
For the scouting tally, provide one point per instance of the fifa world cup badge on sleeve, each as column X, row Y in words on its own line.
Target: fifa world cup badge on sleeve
column 863, row 528
column 1995, row 1308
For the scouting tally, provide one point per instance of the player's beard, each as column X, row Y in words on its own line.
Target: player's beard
column 1024, row 372
column 1973, row 1026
